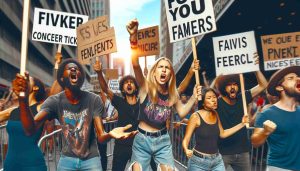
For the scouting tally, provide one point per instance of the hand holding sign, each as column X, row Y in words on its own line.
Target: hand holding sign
column 132, row 28
column 98, row 66
column 256, row 58
column 20, row 84
column 196, row 65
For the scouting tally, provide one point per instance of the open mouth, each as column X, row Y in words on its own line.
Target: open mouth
column 129, row 88
column 298, row 85
column 73, row 77
column 163, row 77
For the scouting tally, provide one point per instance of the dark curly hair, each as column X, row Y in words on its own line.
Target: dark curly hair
column 125, row 78
column 61, row 69
column 41, row 94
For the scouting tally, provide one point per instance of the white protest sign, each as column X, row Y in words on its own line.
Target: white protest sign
column 234, row 53
column 56, row 27
column 189, row 18
column 95, row 38
column 281, row 50
column 148, row 41
column 114, row 86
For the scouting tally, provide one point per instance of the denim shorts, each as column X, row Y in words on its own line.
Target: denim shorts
column 208, row 163
column 144, row 147
column 71, row 163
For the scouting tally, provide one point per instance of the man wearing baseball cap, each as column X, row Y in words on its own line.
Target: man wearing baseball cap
column 280, row 123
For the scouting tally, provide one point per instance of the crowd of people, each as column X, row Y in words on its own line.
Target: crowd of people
column 144, row 113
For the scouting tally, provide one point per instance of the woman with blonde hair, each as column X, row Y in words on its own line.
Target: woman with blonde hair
column 158, row 95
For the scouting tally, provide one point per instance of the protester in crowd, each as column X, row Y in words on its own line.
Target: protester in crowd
column 207, row 127
column 110, row 113
column 79, row 113
column 235, row 149
column 157, row 95
column 27, row 156
column 279, row 124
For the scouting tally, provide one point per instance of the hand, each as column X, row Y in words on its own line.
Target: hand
column 145, row 71
column 98, row 66
column 196, row 65
column 269, row 127
column 203, row 73
column 256, row 58
column 132, row 28
column 177, row 125
column 58, row 58
column 197, row 91
column 188, row 153
column 245, row 119
column 20, row 84
column 119, row 132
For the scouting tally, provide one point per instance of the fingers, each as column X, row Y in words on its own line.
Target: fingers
column 196, row 64
column 256, row 58
column 19, row 84
column 127, row 127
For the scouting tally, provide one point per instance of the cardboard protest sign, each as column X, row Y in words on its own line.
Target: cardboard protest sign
column 148, row 41
column 189, row 18
column 111, row 74
column 114, row 85
column 95, row 38
column 281, row 50
column 234, row 53
column 56, row 27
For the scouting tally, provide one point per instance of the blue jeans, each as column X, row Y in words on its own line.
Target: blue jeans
column 206, row 164
column 237, row 161
column 74, row 164
column 144, row 147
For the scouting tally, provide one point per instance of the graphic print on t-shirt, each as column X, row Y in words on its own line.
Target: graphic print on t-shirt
column 159, row 112
column 76, row 129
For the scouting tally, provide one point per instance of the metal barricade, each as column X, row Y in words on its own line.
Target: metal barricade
column 3, row 144
column 257, row 155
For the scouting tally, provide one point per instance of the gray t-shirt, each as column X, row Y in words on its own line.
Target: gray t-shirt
column 77, row 121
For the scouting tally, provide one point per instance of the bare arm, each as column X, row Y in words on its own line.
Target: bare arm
column 4, row 115
column 262, row 82
column 260, row 135
column 116, row 133
column 192, row 124
column 102, row 82
column 206, row 84
column 185, row 83
column 184, row 109
column 30, row 123
column 228, row 132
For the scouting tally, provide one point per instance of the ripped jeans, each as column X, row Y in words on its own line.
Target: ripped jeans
column 146, row 146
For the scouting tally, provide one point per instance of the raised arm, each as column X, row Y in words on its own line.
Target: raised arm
column 192, row 124
column 186, row 81
column 262, row 82
column 228, row 132
column 102, row 82
column 132, row 28
column 184, row 109
column 30, row 123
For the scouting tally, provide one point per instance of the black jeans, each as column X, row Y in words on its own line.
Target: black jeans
column 103, row 155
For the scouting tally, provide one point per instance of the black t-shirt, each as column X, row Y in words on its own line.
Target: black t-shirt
column 77, row 122
column 231, row 115
column 128, row 114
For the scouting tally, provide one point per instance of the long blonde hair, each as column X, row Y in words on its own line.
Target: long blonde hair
column 153, row 86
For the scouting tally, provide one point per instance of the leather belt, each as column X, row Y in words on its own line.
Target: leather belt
column 153, row 134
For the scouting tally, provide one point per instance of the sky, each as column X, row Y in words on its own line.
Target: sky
column 121, row 12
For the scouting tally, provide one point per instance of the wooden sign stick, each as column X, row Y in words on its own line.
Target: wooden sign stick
column 195, row 57
column 244, row 96
column 24, row 43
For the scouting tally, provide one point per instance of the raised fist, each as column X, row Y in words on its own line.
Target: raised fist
column 269, row 127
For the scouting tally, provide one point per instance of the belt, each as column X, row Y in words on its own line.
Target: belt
column 205, row 156
column 153, row 134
